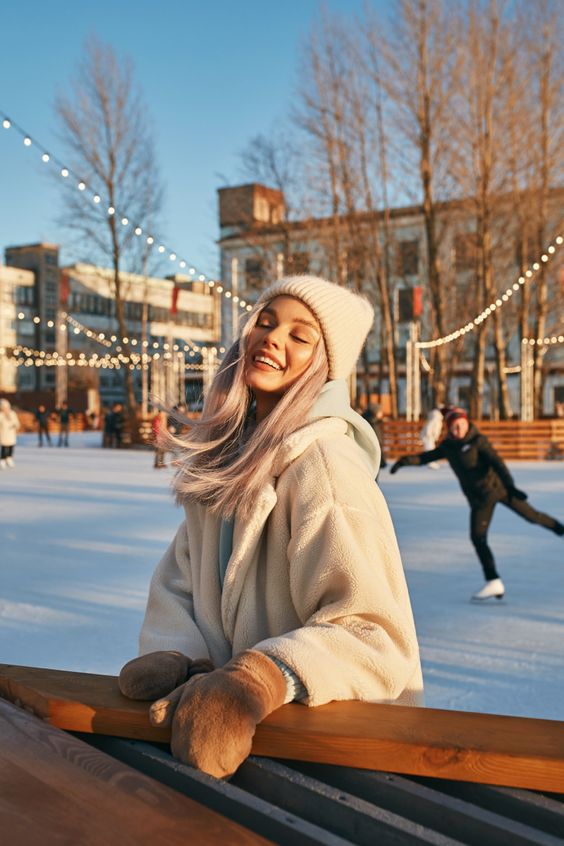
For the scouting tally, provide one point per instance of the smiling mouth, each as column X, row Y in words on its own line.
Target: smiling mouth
column 267, row 361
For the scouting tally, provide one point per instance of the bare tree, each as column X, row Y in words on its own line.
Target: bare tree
column 104, row 126
column 421, row 75
column 340, row 111
column 546, row 67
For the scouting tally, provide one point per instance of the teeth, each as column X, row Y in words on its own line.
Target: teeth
column 269, row 361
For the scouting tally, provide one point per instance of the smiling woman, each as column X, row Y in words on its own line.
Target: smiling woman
column 284, row 582
column 280, row 349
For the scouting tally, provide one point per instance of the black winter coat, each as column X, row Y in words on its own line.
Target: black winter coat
column 480, row 470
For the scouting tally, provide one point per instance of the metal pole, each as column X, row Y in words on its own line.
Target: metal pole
column 416, row 372
column 412, row 374
column 527, row 383
column 144, row 371
column 180, row 365
column 61, row 373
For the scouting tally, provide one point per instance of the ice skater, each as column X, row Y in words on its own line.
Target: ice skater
column 284, row 581
column 485, row 481
column 9, row 426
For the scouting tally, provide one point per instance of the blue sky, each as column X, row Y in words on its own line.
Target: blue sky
column 214, row 74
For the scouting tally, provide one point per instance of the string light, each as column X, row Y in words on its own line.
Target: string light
column 499, row 302
column 65, row 172
column 544, row 342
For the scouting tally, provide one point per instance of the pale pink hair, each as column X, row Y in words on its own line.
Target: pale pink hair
column 219, row 462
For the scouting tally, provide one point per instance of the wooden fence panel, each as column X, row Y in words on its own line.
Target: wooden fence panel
column 514, row 440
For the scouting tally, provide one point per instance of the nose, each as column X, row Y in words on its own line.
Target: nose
column 274, row 337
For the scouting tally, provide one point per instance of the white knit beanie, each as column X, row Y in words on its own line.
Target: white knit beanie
column 345, row 317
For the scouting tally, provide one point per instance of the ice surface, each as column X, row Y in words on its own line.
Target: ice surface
column 81, row 530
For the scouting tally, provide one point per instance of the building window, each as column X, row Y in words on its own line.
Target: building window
column 465, row 251
column 253, row 272
column 25, row 296
column 408, row 258
column 356, row 265
column 298, row 262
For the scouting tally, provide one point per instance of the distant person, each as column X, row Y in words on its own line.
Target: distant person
column 431, row 433
column 92, row 419
column 175, row 421
column 42, row 417
column 9, row 426
column 108, row 430
column 375, row 416
column 119, row 424
column 64, row 414
column 485, row 481
column 158, row 426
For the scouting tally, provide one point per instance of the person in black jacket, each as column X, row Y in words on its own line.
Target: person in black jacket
column 485, row 481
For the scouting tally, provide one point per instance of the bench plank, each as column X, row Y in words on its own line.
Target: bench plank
column 485, row 748
column 57, row 789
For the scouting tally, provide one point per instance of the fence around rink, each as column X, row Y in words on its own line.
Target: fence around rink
column 513, row 439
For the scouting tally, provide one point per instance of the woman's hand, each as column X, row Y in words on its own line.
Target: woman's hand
column 158, row 673
column 214, row 716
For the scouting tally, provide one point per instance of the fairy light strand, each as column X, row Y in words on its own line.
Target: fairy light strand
column 529, row 275
column 151, row 240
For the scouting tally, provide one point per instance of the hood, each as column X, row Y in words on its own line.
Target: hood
column 332, row 414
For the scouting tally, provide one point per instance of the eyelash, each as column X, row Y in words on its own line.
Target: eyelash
column 268, row 325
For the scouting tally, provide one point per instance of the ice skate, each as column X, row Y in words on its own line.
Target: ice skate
column 493, row 587
column 3, row 464
column 10, row 461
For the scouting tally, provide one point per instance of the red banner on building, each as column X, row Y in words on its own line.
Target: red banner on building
column 64, row 289
column 174, row 301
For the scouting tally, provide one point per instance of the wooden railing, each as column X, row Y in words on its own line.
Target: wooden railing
column 514, row 440
column 488, row 748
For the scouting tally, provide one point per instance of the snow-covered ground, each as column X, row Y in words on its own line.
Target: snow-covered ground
column 82, row 528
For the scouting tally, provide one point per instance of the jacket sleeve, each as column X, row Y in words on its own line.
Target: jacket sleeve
column 169, row 618
column 357, row 639
column 425, row 457
column 494, row 460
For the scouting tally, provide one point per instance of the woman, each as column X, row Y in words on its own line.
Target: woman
column 485, row 481
column 285, row 574
column 9, row 426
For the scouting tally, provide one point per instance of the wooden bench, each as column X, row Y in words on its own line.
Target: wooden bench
column 56, row 781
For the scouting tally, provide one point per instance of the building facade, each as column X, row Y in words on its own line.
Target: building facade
column 17, row 291
column 69, row 314
column 257, row 245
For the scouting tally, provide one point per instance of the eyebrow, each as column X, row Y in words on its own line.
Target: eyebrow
column 302, row 320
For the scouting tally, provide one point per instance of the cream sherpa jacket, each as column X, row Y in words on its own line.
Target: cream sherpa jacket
column 314, row 579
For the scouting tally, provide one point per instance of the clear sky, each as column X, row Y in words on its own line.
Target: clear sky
column 214, row 74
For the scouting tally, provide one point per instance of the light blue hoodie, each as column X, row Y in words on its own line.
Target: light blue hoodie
column 333, row 401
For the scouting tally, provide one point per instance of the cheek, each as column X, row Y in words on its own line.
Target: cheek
column 302, row 359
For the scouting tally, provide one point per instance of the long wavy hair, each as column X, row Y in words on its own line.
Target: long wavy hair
column 222, row 462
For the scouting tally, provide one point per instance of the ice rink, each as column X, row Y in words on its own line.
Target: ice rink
column 81, row 530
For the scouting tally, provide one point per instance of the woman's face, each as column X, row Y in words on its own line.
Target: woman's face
column 279, row 349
